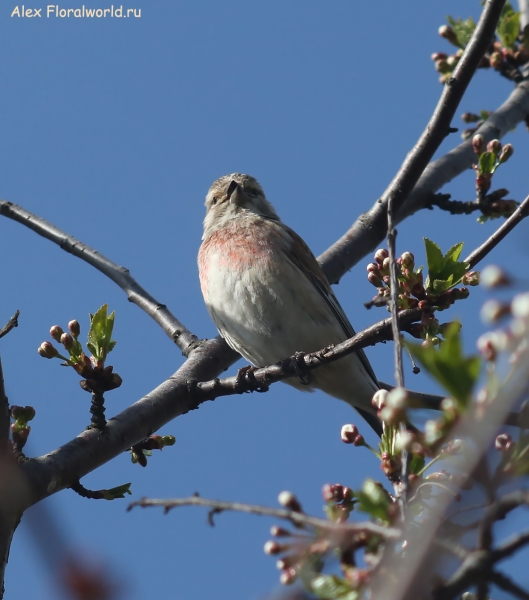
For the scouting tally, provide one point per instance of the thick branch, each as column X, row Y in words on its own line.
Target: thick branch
column 296, row 518
column 368, row 231
column 119, row 275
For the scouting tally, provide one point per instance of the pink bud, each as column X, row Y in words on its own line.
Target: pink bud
column 67, row 341
column 47, row 350
column 75, row 328
column 506, row 153
column 445, row 31
column 478, row 144
column 494, row 146
column 288, row 500
column 56, row 333
column 349, row 433
column 470, row 118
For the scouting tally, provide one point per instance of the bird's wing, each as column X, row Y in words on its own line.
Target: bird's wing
column 303, row 258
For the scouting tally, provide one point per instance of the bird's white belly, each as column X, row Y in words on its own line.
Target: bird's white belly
column 267, row 316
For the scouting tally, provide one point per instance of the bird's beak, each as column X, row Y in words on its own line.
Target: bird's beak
column 235, row 194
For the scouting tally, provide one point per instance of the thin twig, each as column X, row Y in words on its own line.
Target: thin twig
column 296, row 518
column 402, row 489
column 181, row 336
column 11, row 324
column 518, row 215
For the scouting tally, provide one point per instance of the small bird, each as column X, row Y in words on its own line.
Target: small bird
column 269, row 297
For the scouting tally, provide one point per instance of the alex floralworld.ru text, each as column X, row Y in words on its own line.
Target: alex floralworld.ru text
column 54, row 10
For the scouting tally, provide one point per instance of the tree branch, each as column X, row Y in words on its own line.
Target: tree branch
column 497, row 512
column 368, row 231
column 11, row 324
column 180, row 335
column 503, row 582
column 176, row 396
column 296, row 518
column 371, row 227
column 518, row 215
column 510, row 546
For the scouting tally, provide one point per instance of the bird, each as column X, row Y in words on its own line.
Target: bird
column 269, row 297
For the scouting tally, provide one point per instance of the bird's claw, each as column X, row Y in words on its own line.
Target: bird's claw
column 245, row 375
column 304, row 376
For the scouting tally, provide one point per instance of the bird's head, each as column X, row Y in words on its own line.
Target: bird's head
column 231, row 196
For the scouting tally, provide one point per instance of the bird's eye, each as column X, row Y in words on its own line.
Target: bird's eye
column 214, row 200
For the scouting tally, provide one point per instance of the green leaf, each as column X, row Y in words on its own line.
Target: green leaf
column 455, row 252
column 447, row 365
column 444, row 272
column 118, row 492
column 434, row 256
column 374, row 500
column 332, row 587
column 100, row 333
column 462, row 29
column 487, row 162
column 416, row 463
column 508, row 26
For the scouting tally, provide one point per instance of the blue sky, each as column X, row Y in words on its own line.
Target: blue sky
column 113, row 129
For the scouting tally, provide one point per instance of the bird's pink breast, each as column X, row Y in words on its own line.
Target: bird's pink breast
column 237, row 248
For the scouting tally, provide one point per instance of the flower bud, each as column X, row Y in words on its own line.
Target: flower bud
column 496, row 60
column 503, row 442
column 520, row 306
column 408, row 260
column 439, row 56
column 75, row 328
column 67, row 341
column 471, row 278
column 380, row 255
column 493, row 276
column 47, row 350
column 271, row 547
column 470, row 118
column 373, row 268
column 277, row 531
column 446, row 32
column 423, row 305
column 506, row 153
column 349, row 433
column 442, row 66
column 486, row 346
column 288, row 576
column 494, row 146
column 288, row 500
column 493, row 310
column 374, row 279
column 333, row 493
column 168, row 440
column 398, row 398
column 478, row 144
column 379, row 399
column 56, row 333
